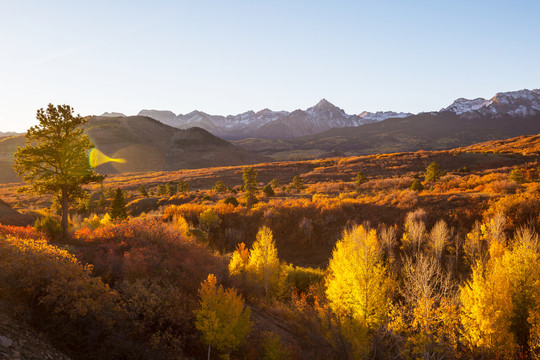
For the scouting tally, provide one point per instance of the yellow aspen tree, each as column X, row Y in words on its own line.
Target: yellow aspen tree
column 522, row 265
column 429, row 309
column 486, row 311
column 357, row 286
column 221, row 318
column 239, row 260
column 534, row 320
column 264, row 263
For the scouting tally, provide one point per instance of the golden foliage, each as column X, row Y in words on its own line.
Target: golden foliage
column 357, row 282
column 487, row 309
column 221, row 317
column 264, row 264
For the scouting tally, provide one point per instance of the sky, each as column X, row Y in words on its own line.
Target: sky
column 227, row 57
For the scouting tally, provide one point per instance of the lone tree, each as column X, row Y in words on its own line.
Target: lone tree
column 516, row 175
column 182, row 186
column 297, row 183
column 54, row 159
column 433, row 172
column 143, row 191
column 250, row 185
column 220, row 186
column 118, row 211
column 360, row 179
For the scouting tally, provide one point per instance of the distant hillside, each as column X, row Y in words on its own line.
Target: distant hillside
column 146, row 145
column 9, row 133
column 8, row 146
column 426, row 131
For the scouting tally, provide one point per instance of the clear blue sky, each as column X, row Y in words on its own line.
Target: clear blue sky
column 227, row 57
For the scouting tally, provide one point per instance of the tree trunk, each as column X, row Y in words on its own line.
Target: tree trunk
column 64, row 200
column 209, row 351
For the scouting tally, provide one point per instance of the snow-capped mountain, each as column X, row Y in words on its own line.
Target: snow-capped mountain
column 271, row 124
column 382, row 115
column 513, row 103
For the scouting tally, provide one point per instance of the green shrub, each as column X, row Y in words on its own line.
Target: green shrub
column 220, row 186
column 303, row 277
column 517, row 175
column 417, row 185
column 49, row 226
column 232, row 201
column 268, row 191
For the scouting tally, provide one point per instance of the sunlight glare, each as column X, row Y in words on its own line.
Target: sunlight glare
column 97, row 158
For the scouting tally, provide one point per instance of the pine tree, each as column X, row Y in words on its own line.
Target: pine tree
column 417, row 185
column 171, row 188
column 54, row 159
column 360, row 179
column 250, row 185
column 143, row 191
column 183, row 186
column 297, row 183
column 517, row 175
column 433, row 172
column 117, row 211
column 220, row 186
column 268, row 191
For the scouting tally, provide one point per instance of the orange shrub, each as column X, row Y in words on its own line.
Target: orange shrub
column 148, row 248
column 519, row 209
column 57, row 290
column 27, row 232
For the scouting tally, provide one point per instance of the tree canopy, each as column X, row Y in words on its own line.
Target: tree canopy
column 221, row 317
column 54, row 159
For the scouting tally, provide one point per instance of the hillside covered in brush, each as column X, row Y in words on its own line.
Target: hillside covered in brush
column 435, row 229
column 146, row 145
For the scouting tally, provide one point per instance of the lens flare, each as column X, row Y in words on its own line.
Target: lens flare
column 97, row 158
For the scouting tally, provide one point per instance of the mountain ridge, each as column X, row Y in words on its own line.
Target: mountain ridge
column 323, row 116
column 269, row 124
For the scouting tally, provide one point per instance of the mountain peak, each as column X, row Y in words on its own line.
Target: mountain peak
column 324, row 104
column 514, row 103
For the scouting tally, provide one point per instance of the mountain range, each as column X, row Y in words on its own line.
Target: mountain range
column 323, row 130
column 269, row 124
column 462, row 123
column 513, row 103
